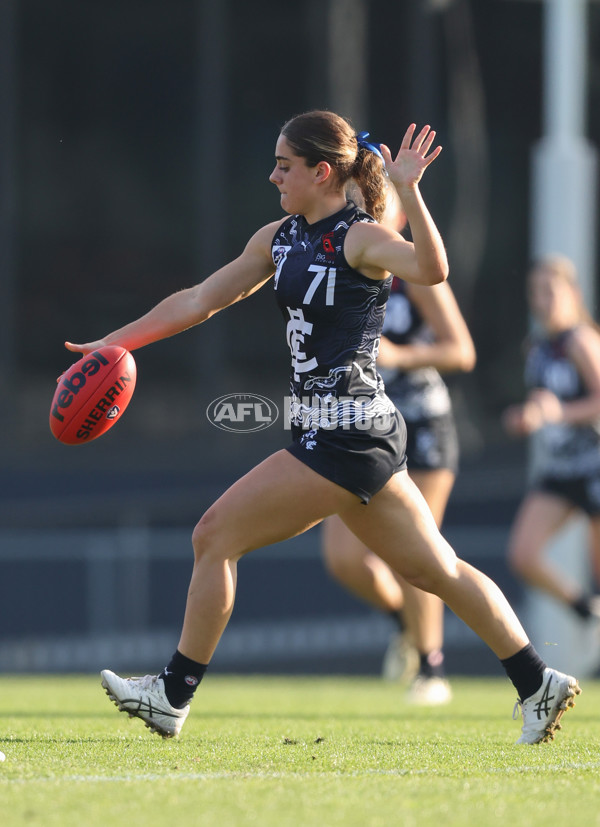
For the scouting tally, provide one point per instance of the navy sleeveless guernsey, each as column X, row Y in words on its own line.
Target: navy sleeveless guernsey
column 343, row 425
column 566, row 458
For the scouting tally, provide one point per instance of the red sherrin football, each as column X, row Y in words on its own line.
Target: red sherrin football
column 92, row 395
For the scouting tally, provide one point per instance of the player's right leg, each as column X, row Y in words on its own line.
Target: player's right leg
column 277, row 499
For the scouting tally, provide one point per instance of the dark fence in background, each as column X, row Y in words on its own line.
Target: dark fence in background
column 136, row 143
column 101, row 580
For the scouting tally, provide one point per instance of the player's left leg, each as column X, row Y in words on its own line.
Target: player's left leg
column 398, row 525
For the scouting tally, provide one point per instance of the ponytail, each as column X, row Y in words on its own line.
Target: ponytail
column 321, row 135
column 369, row 174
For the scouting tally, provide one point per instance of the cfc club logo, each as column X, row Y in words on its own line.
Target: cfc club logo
column 242, row 412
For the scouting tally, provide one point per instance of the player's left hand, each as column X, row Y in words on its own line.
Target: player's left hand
column 85, row 349
column 407, row 168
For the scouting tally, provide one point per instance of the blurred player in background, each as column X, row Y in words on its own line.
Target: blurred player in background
column 562, row 411
column 423, row 333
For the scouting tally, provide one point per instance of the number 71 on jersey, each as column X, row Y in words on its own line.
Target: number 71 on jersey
column 320, row 273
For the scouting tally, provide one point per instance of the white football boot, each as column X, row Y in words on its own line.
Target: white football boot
column 432, row 691
column 401, row 659
column 544, row 709
column 145, row 698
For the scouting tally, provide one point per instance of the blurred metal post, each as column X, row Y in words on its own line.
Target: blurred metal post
column 563, row 209
column 563, row 213
column 347, row 68
column 8, row 95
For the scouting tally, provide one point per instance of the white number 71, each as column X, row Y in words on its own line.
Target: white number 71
column 321, row 272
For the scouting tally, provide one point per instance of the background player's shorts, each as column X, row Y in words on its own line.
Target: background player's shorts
column 361, row 461
column 584, row 492
column 432, row 444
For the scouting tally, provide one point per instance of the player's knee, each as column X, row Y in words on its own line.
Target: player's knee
column 215, row 538
column 205, row 535
column 434, row 575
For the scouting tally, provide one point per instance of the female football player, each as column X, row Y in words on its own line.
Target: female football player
column 330, row 266
column 562, row 410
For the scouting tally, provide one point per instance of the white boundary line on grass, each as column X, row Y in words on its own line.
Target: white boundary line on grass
column 216, row 776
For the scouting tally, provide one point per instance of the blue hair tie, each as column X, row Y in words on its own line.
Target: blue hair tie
column 361, row 140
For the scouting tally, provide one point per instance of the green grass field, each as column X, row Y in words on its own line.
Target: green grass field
column 292, row 751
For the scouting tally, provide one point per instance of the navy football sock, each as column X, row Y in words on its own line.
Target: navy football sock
column 181, row 678
column 582, row 607
column 526, row 671
column 432, row 664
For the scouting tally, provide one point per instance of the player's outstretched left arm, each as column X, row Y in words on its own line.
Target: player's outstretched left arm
column 187, row 308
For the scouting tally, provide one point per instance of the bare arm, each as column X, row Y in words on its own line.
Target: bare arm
column 186, row 308
column 452, row 348
column 542, row 406
column 375, row 250
column 584, row 350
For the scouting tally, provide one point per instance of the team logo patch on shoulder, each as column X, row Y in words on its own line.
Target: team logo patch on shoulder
column 279, row 252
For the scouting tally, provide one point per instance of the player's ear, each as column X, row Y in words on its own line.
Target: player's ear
column 322, row 171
